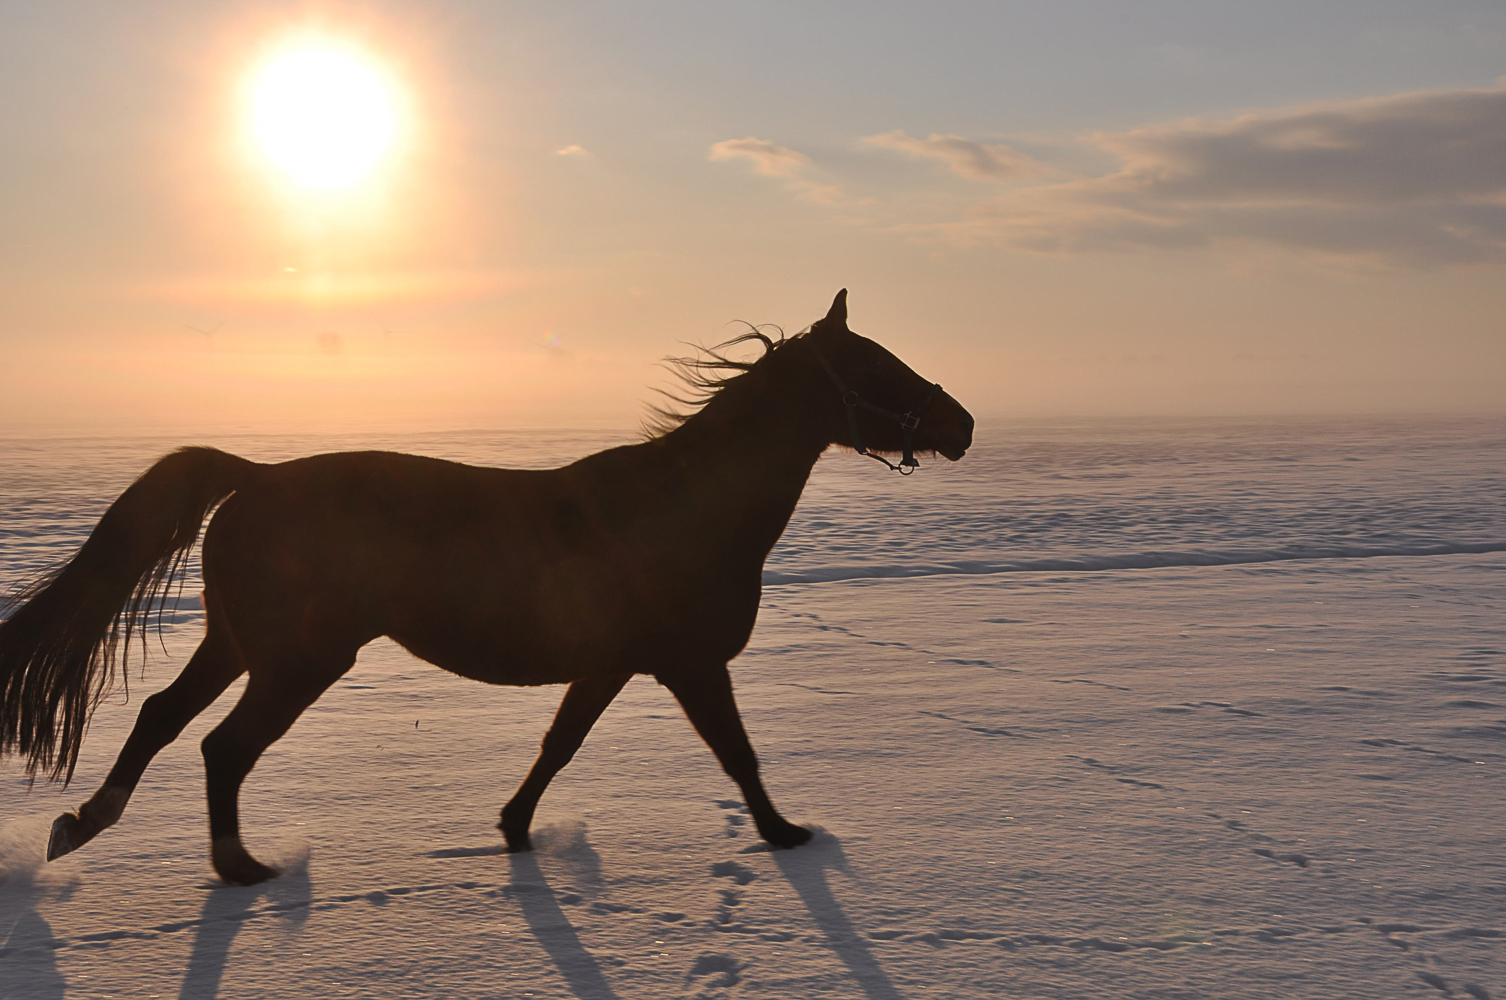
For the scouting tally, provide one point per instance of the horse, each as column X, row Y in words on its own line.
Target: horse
column 641, row 559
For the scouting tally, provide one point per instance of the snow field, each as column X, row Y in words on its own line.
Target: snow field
column 1280, row 780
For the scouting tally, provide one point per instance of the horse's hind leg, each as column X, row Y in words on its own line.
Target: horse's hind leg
column 583, row 704
column 707, row 699
column 274, row 698
column 162, row 717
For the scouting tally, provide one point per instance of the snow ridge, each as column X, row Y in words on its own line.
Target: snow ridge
column 1133, row 560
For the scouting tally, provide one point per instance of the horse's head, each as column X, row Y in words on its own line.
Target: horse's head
column 877, row 402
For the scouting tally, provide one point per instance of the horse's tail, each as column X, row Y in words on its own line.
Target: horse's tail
column 57, row 648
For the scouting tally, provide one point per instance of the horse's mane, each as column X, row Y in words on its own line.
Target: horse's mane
column 706, row 373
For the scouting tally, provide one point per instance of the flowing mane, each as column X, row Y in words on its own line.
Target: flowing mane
column 707, row 373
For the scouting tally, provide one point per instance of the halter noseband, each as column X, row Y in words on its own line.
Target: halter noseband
column 908, row 421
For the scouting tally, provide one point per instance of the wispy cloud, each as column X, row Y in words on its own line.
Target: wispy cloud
column 1414, row 179
column 966, row 157
column 769, row 159
column 773, row 160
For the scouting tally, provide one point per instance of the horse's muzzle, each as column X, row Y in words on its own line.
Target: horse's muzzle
column 951, row 427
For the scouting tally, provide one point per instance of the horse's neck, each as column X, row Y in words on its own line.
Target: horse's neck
column 751, row 462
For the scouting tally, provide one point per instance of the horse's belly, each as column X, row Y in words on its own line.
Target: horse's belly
column 493, row 659
column 513, row 672
column 575, row 618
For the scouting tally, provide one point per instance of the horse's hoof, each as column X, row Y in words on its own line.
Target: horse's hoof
column 787, row 836
column 515, row 829
column 67, row 836
column 235, row 865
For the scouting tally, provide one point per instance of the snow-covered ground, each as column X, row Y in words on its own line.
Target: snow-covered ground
column 1215, row 778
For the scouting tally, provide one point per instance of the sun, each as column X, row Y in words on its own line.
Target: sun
column 324, row 116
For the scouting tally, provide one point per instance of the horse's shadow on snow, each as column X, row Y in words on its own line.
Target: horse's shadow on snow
column 226, row 910
column 31, row 970
column 805, row 868
column 551, row 927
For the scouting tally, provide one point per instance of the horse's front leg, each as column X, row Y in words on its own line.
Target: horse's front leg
column 707, row 699
column 584, row 702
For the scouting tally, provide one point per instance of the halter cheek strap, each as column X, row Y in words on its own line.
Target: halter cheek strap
column 908, row 421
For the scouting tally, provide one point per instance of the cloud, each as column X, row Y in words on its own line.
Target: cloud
column 1411, row 180
column 966, row 157
column 574, row 149
column 772, row 160
column 768, row 159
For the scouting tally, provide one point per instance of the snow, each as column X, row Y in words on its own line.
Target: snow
column 1262, row 779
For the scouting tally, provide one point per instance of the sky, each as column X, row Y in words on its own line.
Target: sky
column 1066, row 209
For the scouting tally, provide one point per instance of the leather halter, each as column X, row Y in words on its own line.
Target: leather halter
column 907, row 421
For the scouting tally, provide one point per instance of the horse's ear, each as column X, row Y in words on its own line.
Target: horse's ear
column 837, row 315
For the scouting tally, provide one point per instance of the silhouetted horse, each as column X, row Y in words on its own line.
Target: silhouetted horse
column 643, row 559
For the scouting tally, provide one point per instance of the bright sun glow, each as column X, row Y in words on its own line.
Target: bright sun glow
column 322, row 115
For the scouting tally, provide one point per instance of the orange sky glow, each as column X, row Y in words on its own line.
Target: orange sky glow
column 406, row 215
